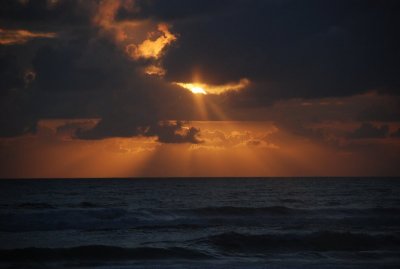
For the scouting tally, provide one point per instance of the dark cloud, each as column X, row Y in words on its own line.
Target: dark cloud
column 81, row 67
column 293, row 49
column 385, row 112
column 367, row 130
column 396, row 134
column 123, row 121
column 288, row 49
column 166, row 132
column 254, row 143
column 69, row 129
column 92, row 78
column 11, row 75
column 17, row 115
column 174, row 9
column 44, row 15
column 174, row 133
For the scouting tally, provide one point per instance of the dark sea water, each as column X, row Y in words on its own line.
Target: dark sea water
column 200, row 223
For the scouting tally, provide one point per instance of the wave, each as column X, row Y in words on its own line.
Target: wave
column 88, row 216
column 44, row 206
column 215, row 247
column 99, row 252
column 283, row 210
column 34, row 206
column 230, row 210
column 65, row 220
column 317, row 241
column 87, row 205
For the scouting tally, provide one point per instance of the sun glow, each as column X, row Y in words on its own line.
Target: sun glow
column 202, row 88
column 194, row 88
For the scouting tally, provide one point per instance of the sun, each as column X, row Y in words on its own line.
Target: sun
column 203, row 88
column 195, row 88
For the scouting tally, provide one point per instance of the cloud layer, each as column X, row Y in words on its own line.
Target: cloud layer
column 127, row 63
column 15, row 37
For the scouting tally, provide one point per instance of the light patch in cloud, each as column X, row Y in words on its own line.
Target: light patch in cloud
column 149, row 48
column 105, row 19
column 23, row 2
column 140, row 39
column 214, row 89
column 259, row 144
column 155, row 70
column 218, row 140
column 52, row 3
column 129, row 146
column 18, row 37
column 195, row 147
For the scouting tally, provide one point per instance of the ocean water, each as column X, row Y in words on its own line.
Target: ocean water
column 200, row 223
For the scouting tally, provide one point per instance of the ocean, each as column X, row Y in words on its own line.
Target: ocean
column 200, row 223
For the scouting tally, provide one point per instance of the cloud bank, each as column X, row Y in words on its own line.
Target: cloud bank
column 125, row 63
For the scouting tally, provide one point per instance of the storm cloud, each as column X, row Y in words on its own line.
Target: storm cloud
column 122, row 61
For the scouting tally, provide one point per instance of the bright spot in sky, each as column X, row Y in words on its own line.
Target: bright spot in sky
column 197, row 90
column 202, row 88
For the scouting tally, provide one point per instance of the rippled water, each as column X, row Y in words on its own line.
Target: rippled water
column 201, row 223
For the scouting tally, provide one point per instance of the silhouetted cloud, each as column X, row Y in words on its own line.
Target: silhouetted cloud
column 367, row 130
column 166, row 132
column 98, row 56
column 174, row 133
column 396, row 134
column 291, row 48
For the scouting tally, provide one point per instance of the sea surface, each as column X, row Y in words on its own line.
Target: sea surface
column 200, row 223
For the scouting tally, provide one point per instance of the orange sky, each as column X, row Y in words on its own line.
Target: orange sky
column 228, row 149
column 197, row 89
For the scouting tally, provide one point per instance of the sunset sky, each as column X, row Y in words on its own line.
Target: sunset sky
column 156, row 88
